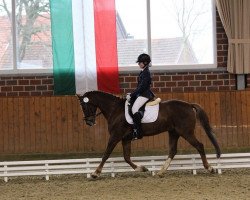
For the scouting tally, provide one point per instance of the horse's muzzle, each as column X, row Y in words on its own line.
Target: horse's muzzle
column 90, row 123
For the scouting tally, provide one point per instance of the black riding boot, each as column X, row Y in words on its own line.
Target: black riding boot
column 137, row 132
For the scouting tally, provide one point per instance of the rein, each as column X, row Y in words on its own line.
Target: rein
column 94, row 115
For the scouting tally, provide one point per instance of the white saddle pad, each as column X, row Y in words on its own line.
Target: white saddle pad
column 150, row 114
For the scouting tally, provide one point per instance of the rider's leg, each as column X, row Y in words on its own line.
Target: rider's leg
column 137, row 132
column 139, row 102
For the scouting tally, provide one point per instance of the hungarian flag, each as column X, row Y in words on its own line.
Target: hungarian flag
column 84, row 46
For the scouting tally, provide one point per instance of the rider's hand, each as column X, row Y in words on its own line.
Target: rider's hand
column 128, row 96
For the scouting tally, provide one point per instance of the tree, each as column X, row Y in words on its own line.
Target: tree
column 187, row 14
column 27, row 13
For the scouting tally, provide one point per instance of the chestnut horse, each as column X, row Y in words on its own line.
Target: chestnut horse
column 176, row 117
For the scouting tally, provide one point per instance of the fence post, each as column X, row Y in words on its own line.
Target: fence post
column 6, row 172
column 194, row 165
column 112, row 169
column 47, row 171
column 88, row 168
column 219, row 166
column 153, row 167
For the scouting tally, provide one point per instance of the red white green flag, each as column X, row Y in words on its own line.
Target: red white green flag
column 84, row 46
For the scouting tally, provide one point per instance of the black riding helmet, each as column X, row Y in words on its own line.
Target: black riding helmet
column 144, row 58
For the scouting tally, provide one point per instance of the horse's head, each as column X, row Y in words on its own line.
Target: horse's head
column 88, row 108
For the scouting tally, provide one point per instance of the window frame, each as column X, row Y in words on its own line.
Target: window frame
column 15, row 70
column 184, row 68
column 130, row 68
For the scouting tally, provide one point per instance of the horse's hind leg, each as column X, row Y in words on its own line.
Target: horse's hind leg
column 111, row 145
column 200, row 148
column 126, row 144
column 173, row 140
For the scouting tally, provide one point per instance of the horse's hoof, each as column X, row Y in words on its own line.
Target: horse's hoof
column 160, row 174
column 144, row 169
column 141, row 169
column 211, row 170
column 94, row 175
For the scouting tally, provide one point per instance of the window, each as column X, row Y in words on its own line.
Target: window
column 25, row 36
column 177, row 34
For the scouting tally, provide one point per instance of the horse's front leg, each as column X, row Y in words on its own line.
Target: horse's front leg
column 126, row 144
column 173, row 140
column 111, row 145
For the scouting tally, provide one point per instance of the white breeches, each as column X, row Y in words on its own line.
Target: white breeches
column 139, row 102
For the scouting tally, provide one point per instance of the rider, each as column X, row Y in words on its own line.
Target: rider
column 140, row 95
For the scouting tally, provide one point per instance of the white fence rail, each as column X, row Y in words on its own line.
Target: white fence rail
column 115, row 165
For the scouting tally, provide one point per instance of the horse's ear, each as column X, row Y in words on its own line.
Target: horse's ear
column 79, row 96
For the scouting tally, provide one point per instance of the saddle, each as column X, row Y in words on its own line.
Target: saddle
column 149, row 111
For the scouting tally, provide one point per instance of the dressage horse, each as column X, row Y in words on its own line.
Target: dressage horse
column 176, row 117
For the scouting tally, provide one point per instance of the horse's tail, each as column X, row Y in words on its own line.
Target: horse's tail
column 203, row 118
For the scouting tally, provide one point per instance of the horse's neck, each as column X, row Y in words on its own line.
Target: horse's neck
column 107, row 104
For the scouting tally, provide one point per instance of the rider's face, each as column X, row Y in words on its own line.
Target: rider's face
column 141, row 65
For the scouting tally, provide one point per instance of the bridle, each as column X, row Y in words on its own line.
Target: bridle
column 92, row 115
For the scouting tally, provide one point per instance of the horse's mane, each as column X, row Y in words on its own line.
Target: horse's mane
column 106, row 94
